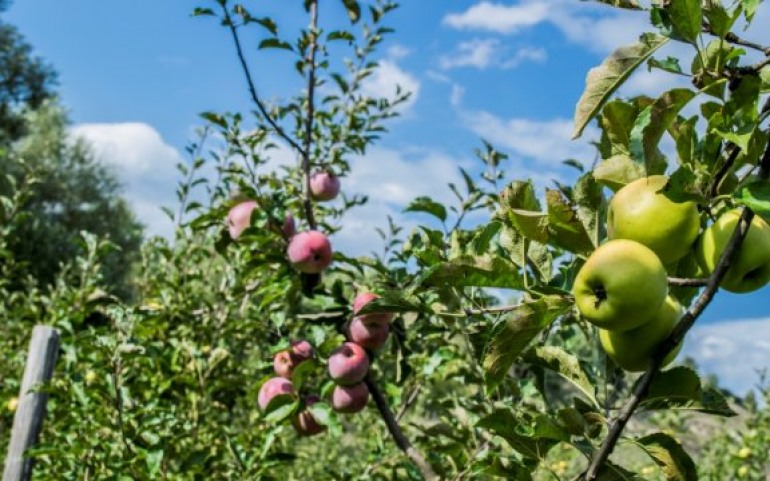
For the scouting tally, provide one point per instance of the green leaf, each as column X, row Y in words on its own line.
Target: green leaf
column 512, row 334
column 627, row 4
column 750, row 8
column 618, row 171
column 468, row 271
column 280, row 409
column 612, row 472
column 718, row 19
column 680, row 388
column 670, row 64
column 391, row 303
column 756, row 196
column 686, row 18
column 275, row 43
column 662, row 113
column 669, row 454
column 482, row 240
column 353, row 9
column 340, row 35
column 566, row 365
column 532, row 225
column 198, row 11
column 427, row 205
column 533, row 438
column 591, row 207
column 604, row 80
column 566, row 229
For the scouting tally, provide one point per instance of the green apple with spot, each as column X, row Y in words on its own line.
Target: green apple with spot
column 621, row 286
column 633, row 350
column 750, row 269
column 641, row 212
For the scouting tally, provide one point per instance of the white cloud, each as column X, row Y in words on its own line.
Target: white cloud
column 486, row 53
column 387, row 78
column 598, row 28
column 499, row 18
column 143, row 162
column 391, row 179
column 473, row 53
column 734, row 350
column 548, row 142
column 398, row 51
column 456, row 97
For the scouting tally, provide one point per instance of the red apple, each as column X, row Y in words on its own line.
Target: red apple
column 369, row 336
column 350, row 399
column 375, row 317
column 239, row 218
column 286, row 361
column 274, row 388
column 324, row 186
column 310, row 252
column 305, row 423
column 348, row 364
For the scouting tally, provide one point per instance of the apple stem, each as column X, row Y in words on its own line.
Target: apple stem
column 618, row 424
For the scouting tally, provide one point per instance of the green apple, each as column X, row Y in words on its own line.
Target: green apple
column 632, row 350
column 621, row 286
column 750, row 269
column 641, row 212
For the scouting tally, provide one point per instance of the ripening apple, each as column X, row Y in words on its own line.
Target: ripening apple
column 750, row 269
column 641, row 212
column 275, row 388
column 375, row 317
column 310, row 252
column 350, row 399
column 324, row 186
column 621, row 286
column 369, row 336
column 305, row 423
column 348, row 364
column 632, row 350
column 239, row 218
column 286, row 361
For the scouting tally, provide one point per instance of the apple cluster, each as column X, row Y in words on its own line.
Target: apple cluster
column 623, row 286
column 309, row 251
column 347, row 365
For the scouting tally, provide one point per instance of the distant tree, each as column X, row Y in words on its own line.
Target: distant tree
column 70, row 191
column 26, row 81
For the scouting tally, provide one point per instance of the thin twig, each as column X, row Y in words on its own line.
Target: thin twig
column 733, row 38
column 677, row 335
column 724, row 169
column 252, row 89
column 686, row 282
column 395, row 430
column 307, row 200
column 408, row 402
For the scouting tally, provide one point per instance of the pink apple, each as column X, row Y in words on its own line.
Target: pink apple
column 305, row 423
column 368, row 335
column 289, row 227
column 310, row 252
column 301, row 350
column 350, row 399
column 324, row 186
column 375, row 317
column 274, row 388
column 239, row 218
column 286, row 361
column 348, row 364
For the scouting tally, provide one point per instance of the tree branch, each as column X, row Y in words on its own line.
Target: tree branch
column 724, row 169
column 677, row 335
column 685, row 282
column 252, row 89
column 307, row 202
column 395, row 430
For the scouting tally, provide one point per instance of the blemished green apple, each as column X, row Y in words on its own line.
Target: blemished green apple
column 633, row 350
column 621, row 286
column 641, row 212
column 750, row 269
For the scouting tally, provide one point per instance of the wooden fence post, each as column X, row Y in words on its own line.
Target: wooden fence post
column 41, row 359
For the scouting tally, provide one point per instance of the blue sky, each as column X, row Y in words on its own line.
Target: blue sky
column 136, row 74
